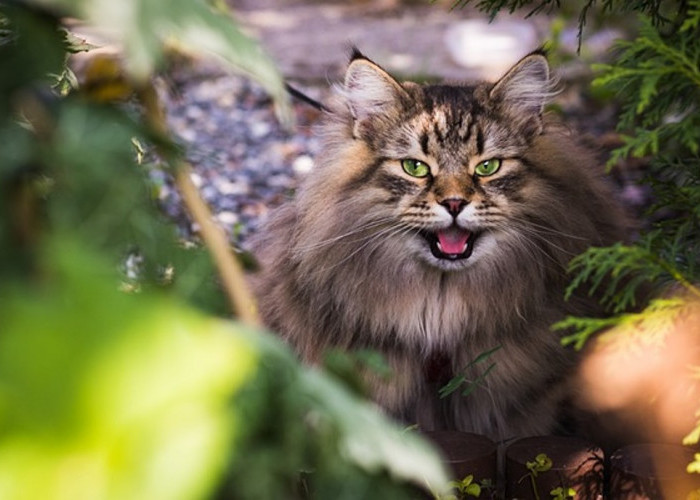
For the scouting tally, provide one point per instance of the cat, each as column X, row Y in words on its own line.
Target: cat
column 436, row 229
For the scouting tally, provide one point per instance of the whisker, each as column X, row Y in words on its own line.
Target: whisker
column 547, row 229
column 334, row 239
column 373, row 238
column 529, row 245
column 542, row 237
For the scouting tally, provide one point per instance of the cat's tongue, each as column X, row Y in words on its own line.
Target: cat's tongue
column 453, row 240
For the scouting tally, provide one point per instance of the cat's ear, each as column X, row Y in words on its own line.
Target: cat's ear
column 526, row 87
column 370, row 90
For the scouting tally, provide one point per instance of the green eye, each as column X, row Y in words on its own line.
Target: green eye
column 415, row 168
column 488, row 167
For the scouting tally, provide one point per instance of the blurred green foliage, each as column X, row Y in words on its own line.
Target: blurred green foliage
column 118, row 376
column 110, row 395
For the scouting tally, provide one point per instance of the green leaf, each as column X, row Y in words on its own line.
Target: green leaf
column 485, row 355
column 562, row 493
column 473, row 490
column 693, row 19
column 541, row 463
column 105, row 395
column 694, row 466
column 693, row 437
column 452, row 386
column 473, row 385
column 647, row 90
column 137, row 395
column 455, row 484
column 145, row 27
column 30, row 54
column 457, row 381
column 652, row 323
column 469, row 479
column 369, row 440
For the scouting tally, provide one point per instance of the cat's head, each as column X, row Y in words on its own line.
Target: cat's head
column 444, row 163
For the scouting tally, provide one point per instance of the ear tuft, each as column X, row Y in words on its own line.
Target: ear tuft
column 527, row 86
column 356, row 54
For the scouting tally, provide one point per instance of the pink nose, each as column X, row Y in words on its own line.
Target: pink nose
column 454, row 205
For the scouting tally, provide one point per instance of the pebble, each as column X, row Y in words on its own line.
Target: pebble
column 244, row 162
column 227, row 187
column 259, row 130
column 303, row 164
column 227, row 218
column 196, row 179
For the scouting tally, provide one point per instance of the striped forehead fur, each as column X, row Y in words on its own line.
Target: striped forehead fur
column 383, row 107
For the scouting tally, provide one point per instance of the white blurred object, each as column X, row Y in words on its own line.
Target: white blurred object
column 490, row 48
column 227, row 218
column 303, row 165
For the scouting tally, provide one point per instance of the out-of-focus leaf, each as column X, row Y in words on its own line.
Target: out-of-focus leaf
column 32, row 51
column 144, row 27
column 110, row 396
column 104, row 81
column 304, row 420
column 76, row 44
column 370, row 441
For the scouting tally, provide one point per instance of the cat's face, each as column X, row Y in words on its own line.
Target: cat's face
column 450, row 159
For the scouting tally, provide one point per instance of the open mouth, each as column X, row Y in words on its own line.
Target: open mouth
column 453, row 243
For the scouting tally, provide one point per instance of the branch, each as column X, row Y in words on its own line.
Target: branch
column 214, row 237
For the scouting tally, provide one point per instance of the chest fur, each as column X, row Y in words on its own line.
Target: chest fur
column 433, row 313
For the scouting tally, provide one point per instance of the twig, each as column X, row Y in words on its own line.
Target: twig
column 230, row 271
column 215, row 239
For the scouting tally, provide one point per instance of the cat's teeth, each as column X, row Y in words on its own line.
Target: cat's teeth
column 450, row 255
column 452, row 241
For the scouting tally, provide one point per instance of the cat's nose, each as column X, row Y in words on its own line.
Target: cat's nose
column 454, row 205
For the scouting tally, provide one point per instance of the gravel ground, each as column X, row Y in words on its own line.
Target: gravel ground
column 244, row 162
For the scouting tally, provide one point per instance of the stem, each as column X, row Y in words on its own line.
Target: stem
column 534, row 487
column 230, row 271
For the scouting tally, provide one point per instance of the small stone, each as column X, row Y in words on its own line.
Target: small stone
column 259, row 130
column 226, row 187
column 163, row 191
column 194, row 113
column 196, row 179
column 227, row 218
column 303, row 164
column 188, row 135
column 208, row 193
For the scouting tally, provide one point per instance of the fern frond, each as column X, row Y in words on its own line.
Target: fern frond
column 657, row 78
column 693, row 19
column 583, row 328
column 650, row 326
column 617, row 272
column 605, row 269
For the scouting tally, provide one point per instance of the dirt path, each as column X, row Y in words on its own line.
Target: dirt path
column 310, row 40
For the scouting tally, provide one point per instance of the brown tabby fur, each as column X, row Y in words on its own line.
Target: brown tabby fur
column 344, row 264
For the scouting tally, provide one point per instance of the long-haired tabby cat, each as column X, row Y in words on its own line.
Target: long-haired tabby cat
column 437, row 226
